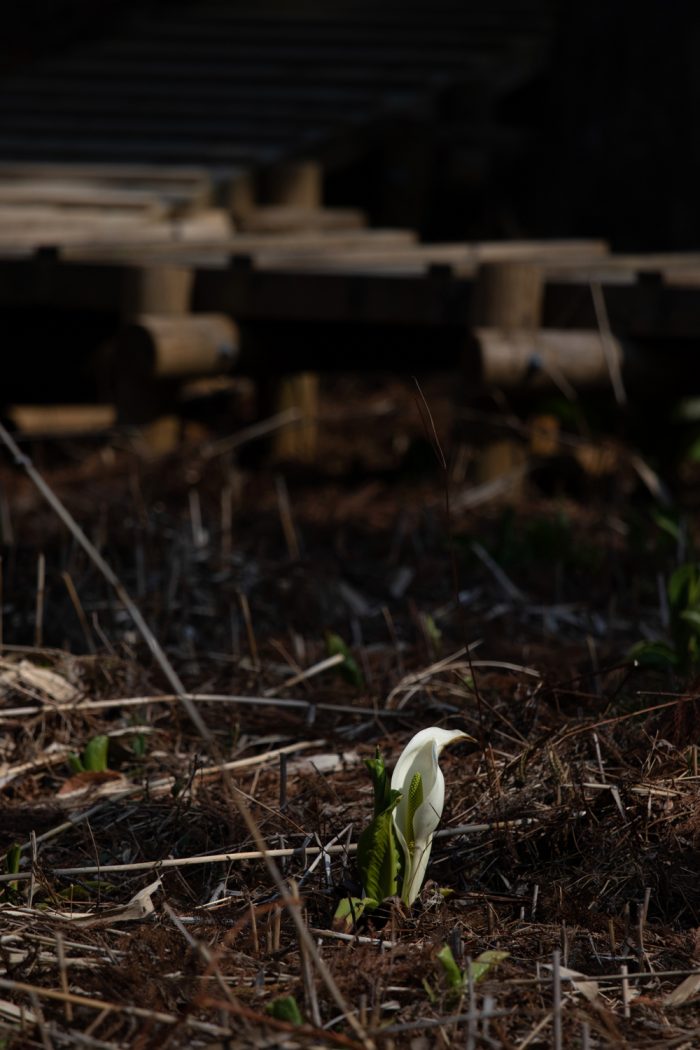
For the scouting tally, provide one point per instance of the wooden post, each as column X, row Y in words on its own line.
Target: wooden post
column 149, row 359
column 299, row 442
column 140, row 397
column 158, row 290
column 240, row 196
column 507, row 296
column 300, row 185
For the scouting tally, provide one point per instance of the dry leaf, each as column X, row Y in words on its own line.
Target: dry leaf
column 139, row 907
column 49, row 757
column 92, row 785
column 585, row 985
column 324, row 763
column 686, row 990
column 44, row 681
column 39, row 680
column 13, row 1012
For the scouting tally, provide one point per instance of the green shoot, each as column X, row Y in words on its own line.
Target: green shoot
column 350, row 669
column 453, row 974
column 378, row 854
column 379, row 857
column 478, row 968
column 682, row 649
column 380, row 782
column 93, row 758
column 285, row 1008
column 12, row 859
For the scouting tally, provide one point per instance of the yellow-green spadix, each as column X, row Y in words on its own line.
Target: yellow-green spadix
column 419, row 778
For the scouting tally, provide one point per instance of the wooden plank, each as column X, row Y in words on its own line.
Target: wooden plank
column 246, row 293
column 61, row 420
column 26, row 218
column 218, row 251
column 176, row 94
column 378, row 53
column 81, row 196
column 167, row 151
column 239, row 105
column 362, row 15
column 80, row 71
column 177, row 187
column 285, row 218
column 112, row 230
column 436, row 306
column 416, row 259
column 116, row 173
column 254, row 128
column 321, row 32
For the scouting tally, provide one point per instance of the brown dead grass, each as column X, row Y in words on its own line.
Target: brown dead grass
column 591, row 802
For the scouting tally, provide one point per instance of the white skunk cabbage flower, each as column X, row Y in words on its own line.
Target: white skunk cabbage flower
column 419, row 778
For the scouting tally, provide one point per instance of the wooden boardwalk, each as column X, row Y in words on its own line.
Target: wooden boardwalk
column 162, row 212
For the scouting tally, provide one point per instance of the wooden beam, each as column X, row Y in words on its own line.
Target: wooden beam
column 545, row 358
column 156, row 347
column 285, row 218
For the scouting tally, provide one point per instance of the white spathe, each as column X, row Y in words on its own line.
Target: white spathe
column 420, row 755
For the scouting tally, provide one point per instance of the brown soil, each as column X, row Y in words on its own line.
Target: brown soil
column 583, row 781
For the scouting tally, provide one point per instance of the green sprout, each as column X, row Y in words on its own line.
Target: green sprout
column 285, row 1008
column 93, row 758
column 681, row 650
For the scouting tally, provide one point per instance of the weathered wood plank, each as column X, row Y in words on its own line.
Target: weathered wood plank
column 284, row 218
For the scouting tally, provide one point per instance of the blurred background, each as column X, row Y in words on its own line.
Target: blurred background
column 506, row 119
column 227, row 192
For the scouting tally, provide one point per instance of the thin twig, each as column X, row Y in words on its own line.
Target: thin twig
column 244, row 855
column 556, row 999
column 209, row 698
column 22, row 460
column 40, row 594
column 63, row 971
column 290, row 417
column 286, row 518
column 22, row 988
column 79, row 611
column 92, row 552
column 608, row 343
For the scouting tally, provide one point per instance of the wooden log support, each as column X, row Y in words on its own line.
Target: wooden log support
column 509, row 295
column 151, row 357
column 298, row 186
column 239, row 195
column 298, row 443
column 562, row 358
column 508, row 299
column 158, row 290
column 162, row 347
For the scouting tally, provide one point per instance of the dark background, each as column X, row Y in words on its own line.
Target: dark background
column 601, row 141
